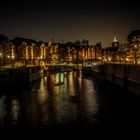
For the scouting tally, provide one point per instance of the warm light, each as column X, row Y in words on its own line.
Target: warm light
column 109, row 59
column 32, row 54
column 115, row 40
column 15, row 108
column 117, row 57
column 13, row 56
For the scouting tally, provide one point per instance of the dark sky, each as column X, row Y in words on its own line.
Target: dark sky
column 70, row 20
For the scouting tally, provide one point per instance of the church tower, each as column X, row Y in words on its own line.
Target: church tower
column 115, row 43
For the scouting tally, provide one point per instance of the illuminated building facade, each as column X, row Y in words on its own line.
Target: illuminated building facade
column 7, row 51
column 27, row 52
column 110, row 54
column 134, row 44
column 21, row 51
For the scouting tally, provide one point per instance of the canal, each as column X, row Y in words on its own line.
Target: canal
column 69, row 101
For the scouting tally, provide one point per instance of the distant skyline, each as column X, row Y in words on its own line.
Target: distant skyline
column 70, row 20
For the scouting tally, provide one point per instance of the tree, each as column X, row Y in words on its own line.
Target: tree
column 134, row 43
column 122, row 51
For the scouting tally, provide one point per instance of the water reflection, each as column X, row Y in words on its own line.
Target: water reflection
column 15, row 111
column 3, row 111
column 42, row 92
column 67, row 100
column 57, row 99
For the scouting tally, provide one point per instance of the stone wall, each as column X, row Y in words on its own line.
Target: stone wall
column 124, row 75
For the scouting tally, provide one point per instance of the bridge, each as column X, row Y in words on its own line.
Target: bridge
column 62, row 61
column 61, row 67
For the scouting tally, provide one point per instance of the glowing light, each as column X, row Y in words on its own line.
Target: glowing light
column 115, row 40
column 13, row 56
column 42, row 96
column 109, row 59
column 15, row 108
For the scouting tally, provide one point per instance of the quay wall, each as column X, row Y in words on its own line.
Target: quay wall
column 18, row 77
column 124, row 75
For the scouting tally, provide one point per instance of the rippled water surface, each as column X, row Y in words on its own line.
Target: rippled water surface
column 67, row 100
column 57, row 99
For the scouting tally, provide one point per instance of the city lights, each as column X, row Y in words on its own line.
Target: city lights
column 70, row 66
column 32, row 52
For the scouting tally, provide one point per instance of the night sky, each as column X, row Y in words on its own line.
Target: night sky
column 70, row 20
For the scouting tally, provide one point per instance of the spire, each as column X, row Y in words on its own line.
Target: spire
column 115, row 40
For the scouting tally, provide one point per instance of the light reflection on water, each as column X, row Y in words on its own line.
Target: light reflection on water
column 72, row 100
column 15, row 111
column 3, row 111
column 57, row 99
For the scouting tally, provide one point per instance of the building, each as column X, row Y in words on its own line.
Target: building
column 23, row 51
column 133, row 39
column 115, row 43
column 7, row 51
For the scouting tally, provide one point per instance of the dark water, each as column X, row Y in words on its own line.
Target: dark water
column 70, row 101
